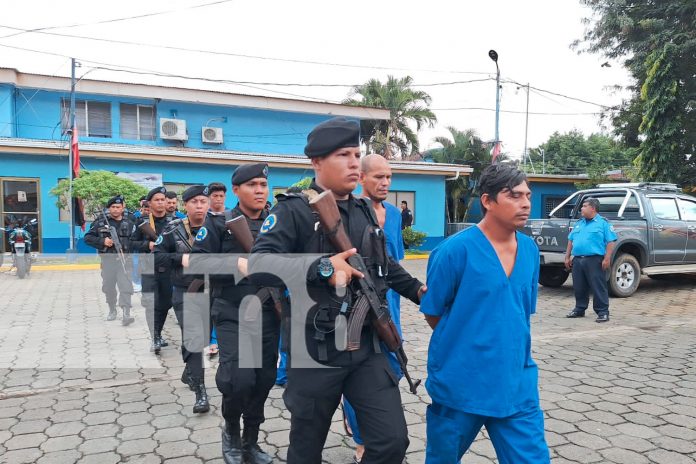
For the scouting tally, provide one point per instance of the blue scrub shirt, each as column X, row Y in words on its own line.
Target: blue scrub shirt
column 395, row 249
column 479, row 359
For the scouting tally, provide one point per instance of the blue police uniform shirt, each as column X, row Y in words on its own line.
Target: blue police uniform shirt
column 479, row 358
column 395, row 249
column 590, row 237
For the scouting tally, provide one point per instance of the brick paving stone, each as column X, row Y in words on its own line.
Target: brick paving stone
column 133, row 447
column 637, row 430
column 623, row 456
column 99, row 445
column 59, row 457
column 60, row 444
column 21, row 456
column 137, row 431
column 172, row 434
column 176, row 449
column 101, row 458
column 32, row 440
column 668, row 457
column 31, row 426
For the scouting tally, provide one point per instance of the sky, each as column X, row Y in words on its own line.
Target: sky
column 341, row 44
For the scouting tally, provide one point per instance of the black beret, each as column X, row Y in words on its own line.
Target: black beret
column 331, row 135
column 142, row 198
column 246, row 172
column 154, row 192
column 194, row 191
column 117, row 200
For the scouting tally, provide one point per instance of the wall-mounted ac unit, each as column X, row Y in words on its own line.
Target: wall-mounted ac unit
column 173, row 129
column 211, row 134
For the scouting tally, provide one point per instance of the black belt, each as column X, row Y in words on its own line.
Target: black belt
column 588, row 256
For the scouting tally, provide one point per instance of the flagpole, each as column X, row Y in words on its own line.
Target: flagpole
column 71, row 249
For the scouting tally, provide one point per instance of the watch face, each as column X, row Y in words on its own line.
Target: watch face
column 325, row 268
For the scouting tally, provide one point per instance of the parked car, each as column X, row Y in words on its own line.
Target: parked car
column 655, row 224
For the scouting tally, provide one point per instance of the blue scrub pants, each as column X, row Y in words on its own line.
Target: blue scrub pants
column 517, row 439
column 589, row 277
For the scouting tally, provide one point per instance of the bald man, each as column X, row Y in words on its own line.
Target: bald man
column 375, row 179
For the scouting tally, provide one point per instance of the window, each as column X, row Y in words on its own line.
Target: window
column 688, row 208
column 93, row 118
column 665, row 208
column 609, row 206
column 551, row 202
column 137, row 122
column 395, row 198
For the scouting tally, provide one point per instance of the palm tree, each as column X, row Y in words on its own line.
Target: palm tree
column 406, row 106
column 464, row 147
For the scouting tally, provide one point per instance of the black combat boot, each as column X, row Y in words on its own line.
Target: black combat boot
column 127, row 318
column 186, row 378
column 113, row 314
column 162, row 341
column 155, row 347
column 252, row 452
column 201, row 404
column 231, row 444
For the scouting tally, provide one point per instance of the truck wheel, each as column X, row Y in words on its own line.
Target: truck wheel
column 552, row 276
column 624, row 276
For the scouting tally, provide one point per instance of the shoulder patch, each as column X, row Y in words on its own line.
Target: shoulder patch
column 202, row 234
column 268, row 224
column 159, row 240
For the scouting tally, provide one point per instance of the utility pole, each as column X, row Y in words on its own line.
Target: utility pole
column 71, row 249
column 526, row 129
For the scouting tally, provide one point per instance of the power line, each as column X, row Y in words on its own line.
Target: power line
column 237, row 55
column 106, row 21
column 559, row 94
column 477, row 108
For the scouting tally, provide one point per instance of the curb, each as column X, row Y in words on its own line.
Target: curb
column 413, row 257
column 65, row 267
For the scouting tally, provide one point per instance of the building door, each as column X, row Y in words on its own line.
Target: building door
column 20, row 204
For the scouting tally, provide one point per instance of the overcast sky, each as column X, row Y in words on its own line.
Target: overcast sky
column 434, row 42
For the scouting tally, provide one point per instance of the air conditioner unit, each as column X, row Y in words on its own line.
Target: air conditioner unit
column 211, row 134
column 173, row 129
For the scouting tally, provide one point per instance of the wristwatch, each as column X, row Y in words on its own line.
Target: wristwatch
column 325, row 269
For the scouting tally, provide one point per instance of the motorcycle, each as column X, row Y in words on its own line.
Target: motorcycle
column 20, row 243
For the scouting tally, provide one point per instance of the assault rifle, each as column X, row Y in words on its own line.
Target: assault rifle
column 147, row 231
column 368, row 302
column 239, row 227
column 113, row 235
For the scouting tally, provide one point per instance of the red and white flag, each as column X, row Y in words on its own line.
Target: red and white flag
column 495, row 151
column 78, row 204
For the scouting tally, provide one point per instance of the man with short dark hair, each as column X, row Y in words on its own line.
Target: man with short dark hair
column 172, row 245
column 363, row 376
column 591, row 244
column 482, row 290
column 156, row 287
column 114, row 273
column 244, row 389
column 218, row 195
column 406, row 215
column 173, row 205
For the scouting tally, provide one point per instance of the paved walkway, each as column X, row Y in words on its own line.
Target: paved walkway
column 74, row 388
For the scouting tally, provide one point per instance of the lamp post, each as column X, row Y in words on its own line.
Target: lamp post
column 494, row 56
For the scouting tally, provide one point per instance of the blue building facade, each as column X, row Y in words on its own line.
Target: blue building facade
column 122, row 129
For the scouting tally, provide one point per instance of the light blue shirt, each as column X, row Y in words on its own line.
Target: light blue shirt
column 590, row 237
column 479, row 358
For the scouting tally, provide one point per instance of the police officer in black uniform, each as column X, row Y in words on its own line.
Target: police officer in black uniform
column 114, row 272
column 170, row 248
column 364, row 376
column 157, row 287
column 244, row 390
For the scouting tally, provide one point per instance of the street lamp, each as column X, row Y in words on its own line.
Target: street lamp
column 494, row 56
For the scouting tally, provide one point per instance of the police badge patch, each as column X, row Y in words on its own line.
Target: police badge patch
column 202, row 234
column 159, row 240
column 268, row 224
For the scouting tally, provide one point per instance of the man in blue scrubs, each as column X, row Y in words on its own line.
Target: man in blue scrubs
column 482, row 290
column 375, row 179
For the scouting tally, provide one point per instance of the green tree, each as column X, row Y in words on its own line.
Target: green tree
column 95, row 188
column 462, row 147
column 407, row 107
column 657, row 42
column 573, row 153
